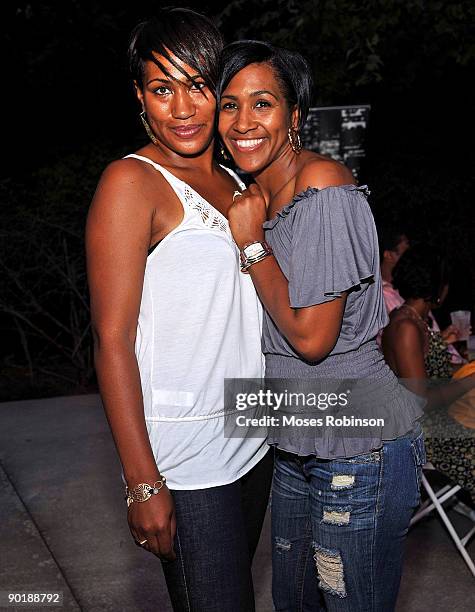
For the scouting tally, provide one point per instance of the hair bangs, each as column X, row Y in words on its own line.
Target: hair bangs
column 177, row 33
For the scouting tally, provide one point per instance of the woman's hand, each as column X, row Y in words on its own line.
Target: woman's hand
column 154, row 520
column 450, row 334
column 246, row 216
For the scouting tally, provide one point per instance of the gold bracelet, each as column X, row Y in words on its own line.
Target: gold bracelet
column 143, row 491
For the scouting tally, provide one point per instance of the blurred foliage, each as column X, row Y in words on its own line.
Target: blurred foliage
column 352, row 44
column 44, row 310
column 71, row 110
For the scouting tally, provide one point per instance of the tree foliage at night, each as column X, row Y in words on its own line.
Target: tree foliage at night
column 354, row 44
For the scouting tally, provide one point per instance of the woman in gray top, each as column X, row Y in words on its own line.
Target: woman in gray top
column 344, row 486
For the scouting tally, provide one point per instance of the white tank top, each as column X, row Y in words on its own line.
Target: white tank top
column 200, row 322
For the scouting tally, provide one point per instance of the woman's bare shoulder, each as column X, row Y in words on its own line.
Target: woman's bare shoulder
column 126, row 170
column 320, row 172
column 403, row 326
column 127, row 182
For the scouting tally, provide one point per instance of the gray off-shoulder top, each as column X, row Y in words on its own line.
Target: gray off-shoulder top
column 325, row 242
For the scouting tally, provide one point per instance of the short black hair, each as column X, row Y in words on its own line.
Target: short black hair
column 291, row 70
column 421, row 272
column 188, row 35
column 389, row 236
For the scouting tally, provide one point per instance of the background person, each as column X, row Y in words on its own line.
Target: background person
column 393, row 243
column 416, row 352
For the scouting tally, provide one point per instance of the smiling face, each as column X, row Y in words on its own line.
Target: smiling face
column 179, row 110
column 255, row 118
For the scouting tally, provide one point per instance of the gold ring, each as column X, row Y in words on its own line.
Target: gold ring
column 142, row 542
column 236, row 194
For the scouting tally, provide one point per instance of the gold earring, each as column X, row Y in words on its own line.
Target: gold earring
column 224, row 155
column 294, row 139
column 147, row 127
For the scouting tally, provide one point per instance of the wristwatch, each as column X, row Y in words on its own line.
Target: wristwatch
column 253, row 252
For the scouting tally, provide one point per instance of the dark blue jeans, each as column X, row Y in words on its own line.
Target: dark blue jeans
column 338, row 527
column 218, row 531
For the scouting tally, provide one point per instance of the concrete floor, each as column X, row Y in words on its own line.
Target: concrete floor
column 63, row 523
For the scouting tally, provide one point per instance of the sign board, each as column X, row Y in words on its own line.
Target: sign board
column 339, row 132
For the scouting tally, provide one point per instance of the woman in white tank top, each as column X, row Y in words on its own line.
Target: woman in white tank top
column 172, row 318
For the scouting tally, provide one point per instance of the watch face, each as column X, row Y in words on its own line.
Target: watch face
column 253, row 249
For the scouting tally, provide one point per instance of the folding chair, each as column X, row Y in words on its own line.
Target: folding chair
column 438, row 498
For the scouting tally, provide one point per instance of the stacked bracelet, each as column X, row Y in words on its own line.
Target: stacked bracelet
column 143, row 491
column 253, row 253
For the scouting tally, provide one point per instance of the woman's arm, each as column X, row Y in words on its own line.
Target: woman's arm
column 117, row 238
column 406, row 344
column 314, row 330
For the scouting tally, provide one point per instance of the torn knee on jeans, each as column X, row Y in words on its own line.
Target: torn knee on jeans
column 336, row 516
column 342, row 481
column 330, row 570
column 282, row 545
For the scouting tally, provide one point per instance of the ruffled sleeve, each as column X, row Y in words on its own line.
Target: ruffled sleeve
column 333, row 245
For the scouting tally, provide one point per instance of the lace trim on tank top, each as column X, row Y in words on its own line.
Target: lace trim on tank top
column 210, row 215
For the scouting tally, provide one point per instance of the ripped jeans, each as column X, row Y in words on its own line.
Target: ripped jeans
column 338, row 527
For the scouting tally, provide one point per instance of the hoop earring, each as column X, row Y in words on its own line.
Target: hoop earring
column 224, row 155
column 147, row 127
column 294, row 139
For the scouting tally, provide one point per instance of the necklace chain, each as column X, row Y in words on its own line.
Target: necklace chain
column 420, row 317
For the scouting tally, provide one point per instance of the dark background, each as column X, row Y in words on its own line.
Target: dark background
column 69, row 109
